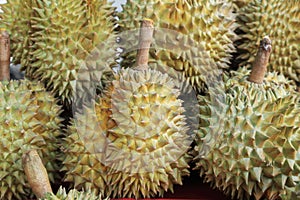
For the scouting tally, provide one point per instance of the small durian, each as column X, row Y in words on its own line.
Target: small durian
column 38, row 179
column 134, row 142
column 193, row 39
column 72, row 195
column 280, row 20
column 248, row 144
column 29, row 119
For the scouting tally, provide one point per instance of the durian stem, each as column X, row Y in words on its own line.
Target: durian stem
column 260, row 64
column 36, row 173
column 145, row 40
column 4, row 55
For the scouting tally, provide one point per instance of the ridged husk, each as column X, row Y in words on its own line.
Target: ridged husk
column 137, row 120
column 249, row 138
column 55, row 39
column 15, row 18
column 195, row 38
column 73, row 195
column 263, row 17
column 29, row 120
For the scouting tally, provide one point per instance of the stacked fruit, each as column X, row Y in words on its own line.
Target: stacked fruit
column 136, row 131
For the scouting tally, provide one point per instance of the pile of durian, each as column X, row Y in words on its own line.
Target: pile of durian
column 126, row 104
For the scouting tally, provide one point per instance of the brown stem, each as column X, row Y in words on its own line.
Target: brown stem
column 4, row 55
column 145, row 39
column 260, row 64
column 36, row 173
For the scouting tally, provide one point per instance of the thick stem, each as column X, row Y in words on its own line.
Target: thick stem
column 4, row 55
column 36, row 173
column 145, row 40
column 260, row 64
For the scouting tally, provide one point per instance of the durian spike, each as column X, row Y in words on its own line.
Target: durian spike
column 4, row 55
column 145, row 40
column 36, row 174
column 260, row 63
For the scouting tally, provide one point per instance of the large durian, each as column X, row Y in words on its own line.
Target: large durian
column 279, row 19
column 29, row 120
column 15, row 18
column 248, row 144
column 134, row 143
column 193, row 38
column 62, row 37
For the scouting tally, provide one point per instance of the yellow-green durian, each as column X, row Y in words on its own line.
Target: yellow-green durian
column 29, row 120
column 67, row 37
column 15, row 18
column 248, row 144
column 281, row 21
column 193, row 38
column 73, row 194
column 135, row 142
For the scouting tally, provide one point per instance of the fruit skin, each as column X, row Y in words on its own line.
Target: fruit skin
column 248, row 144
column 29, row 120
column 15, row 19
column 262, row 17
column 193, row 38
column 61, row 41
column 128, row 133
column 73, row 195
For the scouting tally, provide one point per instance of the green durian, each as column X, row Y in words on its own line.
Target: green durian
column 72, row 195
column 248, row 144
column 64, row 41
column 193, row 38
column 15, row 18
column 281, row 21
column 29, row 119
column 134, row 140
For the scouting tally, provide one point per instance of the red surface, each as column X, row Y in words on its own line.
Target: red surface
column 192, row 188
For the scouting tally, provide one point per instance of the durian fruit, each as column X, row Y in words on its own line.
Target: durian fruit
column 15, row 18
column 248, row 144
column 281, row 21
column 134, row 141
column 59, row 38
column 38, row 179
column 193, row 38
column 29, row 120
column 73, row 195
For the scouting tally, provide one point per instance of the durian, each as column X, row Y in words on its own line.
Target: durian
column 193, row 38
column 63, row 36
column 73, row 195
column 15, row 18
column 280, row 20
column 248, row 144
column 135, row 142
column 29, row 120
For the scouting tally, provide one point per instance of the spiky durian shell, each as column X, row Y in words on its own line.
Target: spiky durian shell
column 15, row 18
column 280, row 20
column 29, row 120
column 249, row 138
column 140, row 113
column 193, row 37
column 66, row 38
column 72, row 195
